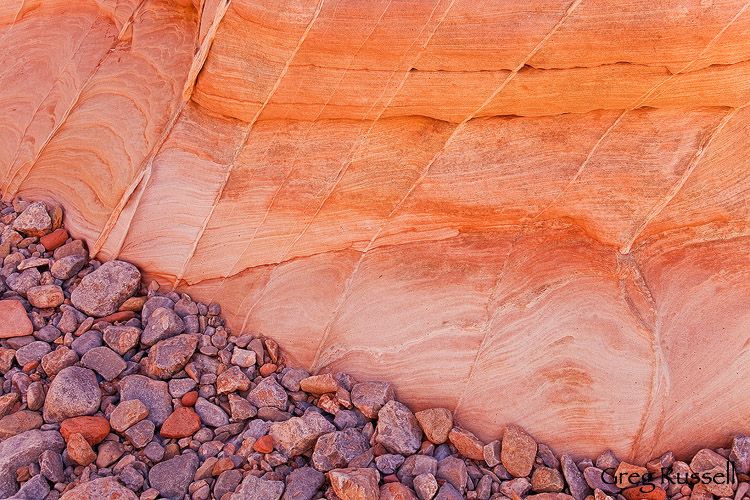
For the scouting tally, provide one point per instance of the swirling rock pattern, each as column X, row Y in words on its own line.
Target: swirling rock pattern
column 532, row 212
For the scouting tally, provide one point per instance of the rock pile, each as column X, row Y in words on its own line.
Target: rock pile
column 112, row 390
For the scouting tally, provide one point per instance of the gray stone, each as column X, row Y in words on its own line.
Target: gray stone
column 597, row 478
column 172, row 477
column 34, row 221
column 268, row 393
column 454, row 471
column 210, row 413
column 154, row 451
column 153, row 393
column 740, row 454
column 398, row 429
column 67, row 267
column 169, row 356
column 303, row 483
column 140, row 434
column 448, row 492
column 131, row 478
column 389, row 463
column 51, row 466
column 255, row 488
column 22, row 282
column 298, row 434
column 579, row 488
column 21, row 450
column 47, row 334
column 87, row 341
column 292, row 378
column 606, row 460
column 164, row 323
column 152, row 305
column 484, row 488
column 178, row 387
column 105, row 362
column 35, row 488
column 121, row 338
column 101, row 292
column 73, row 392
column 336, row 449
column 226, row 482
column 31, row 352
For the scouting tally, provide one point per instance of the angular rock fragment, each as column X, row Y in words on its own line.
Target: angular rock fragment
column 398, row 429
column 15, row 322
column 34, row 221
column 169, row 356
column 298, row 434
column 268, row 393
column 370, row 397
column 336, row 449
column 355, row 484
column 163, row 323
column 255, row 488
column 210, row 414
column 103, row 291
column 127, row 414
column 518, row 451
column 436, row 423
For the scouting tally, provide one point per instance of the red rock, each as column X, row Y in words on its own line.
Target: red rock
column 14, row 322
column 396, row 491
column 93, row 429
column 189, row 398
column 466, row 443
column 127, row 414
column 30, row 366
column 644, row 493
column 232, row 380
column 624, row 472
column 267, row 369
column 80, row 450
column 222, row 465
column 54, row 239
column 182, row 423
column 319, row 384
column 263, row 444
column 518, row 451
column 116, row 316
column 355, row 484
column 45, row 296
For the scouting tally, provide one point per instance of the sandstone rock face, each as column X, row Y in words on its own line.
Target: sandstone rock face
column 554, row 211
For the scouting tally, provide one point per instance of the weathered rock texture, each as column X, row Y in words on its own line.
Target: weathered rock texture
column 532, row 212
